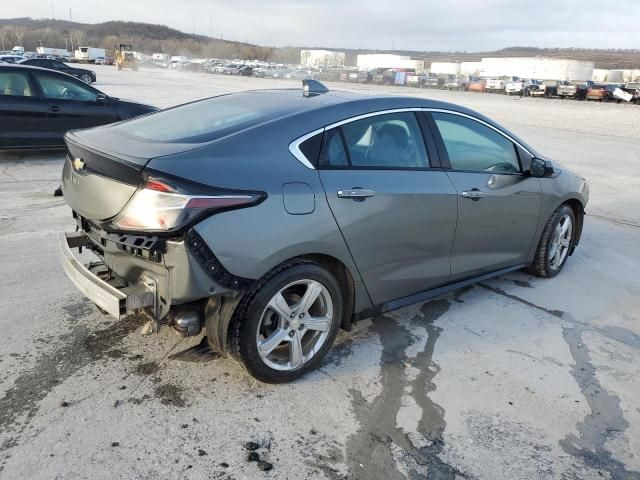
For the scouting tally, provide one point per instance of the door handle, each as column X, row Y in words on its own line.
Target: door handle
column 356, row 193
column 54, row 108
column 474, row 194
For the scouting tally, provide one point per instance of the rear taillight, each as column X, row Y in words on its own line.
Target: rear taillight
column 161, row 207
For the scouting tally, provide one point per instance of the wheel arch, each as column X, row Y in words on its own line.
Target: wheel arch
column 219, row 311
column 577, row 206
column 578, row 211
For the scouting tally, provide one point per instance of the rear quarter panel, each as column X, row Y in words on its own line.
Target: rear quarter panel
column 250, row 242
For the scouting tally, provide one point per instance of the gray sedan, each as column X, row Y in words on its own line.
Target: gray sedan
column 274, row 218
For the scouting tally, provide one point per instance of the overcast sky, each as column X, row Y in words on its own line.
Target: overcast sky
column 471, row 25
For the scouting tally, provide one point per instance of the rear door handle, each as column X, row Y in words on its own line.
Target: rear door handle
column 54, row 108
column 356, row 193
column 474, row 194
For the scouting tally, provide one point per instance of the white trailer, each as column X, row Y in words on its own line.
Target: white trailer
column 89, row 54
column 56, row 52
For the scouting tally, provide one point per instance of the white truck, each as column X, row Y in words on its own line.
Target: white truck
column 54, row 52
column 498, row 84
column 89, row 54
column 522, row 87
column 17, row 51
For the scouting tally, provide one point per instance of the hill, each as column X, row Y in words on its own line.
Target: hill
column 144, row 37
column 150, row 38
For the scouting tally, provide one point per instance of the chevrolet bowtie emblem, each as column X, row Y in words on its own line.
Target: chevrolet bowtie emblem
column 78, row 163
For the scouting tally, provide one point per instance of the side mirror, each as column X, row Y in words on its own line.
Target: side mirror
column 541, row 168
column 101, row 98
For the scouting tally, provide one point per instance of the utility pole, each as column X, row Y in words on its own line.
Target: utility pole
column 210, row 26
column 70, row 18
column 53, row 12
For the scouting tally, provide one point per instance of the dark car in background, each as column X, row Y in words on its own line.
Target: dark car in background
column 37, row 106
column 10, row 58
column 87, row 76
column 633, row 88
column 274, row 218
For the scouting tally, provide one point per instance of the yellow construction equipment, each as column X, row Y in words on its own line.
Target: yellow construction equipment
column 125, row 57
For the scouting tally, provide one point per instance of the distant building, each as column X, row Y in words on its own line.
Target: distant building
column 615, row 76
column 538, row 67
column 471, row 68
column 371, row 61
column 321, row 58
column 447, row 68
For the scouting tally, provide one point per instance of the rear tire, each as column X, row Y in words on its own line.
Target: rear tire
column 278, row 342
column 555, row 244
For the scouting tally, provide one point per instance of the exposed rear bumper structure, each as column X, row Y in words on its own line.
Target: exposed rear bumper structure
column 118, row 302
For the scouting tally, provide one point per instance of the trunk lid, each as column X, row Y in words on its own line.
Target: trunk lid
column 98, row 177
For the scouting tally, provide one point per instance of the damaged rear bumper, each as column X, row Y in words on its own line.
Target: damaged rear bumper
column 117, row 301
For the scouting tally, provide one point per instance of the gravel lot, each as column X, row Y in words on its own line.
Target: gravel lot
column 514, row 378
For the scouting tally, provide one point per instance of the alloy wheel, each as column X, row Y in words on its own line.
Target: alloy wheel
column 560, row 242
column 295, row 325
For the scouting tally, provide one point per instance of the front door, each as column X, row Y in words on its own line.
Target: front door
column 498, row 205
column 71, row 104
column 396, row 213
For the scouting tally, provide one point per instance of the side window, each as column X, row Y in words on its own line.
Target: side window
column 14, row 84
column 392, row 140
column 60, row 88
column 58, row 65
column 333, row 153
column 474, row 146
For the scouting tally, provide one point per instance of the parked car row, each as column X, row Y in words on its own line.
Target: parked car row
column 507, row 85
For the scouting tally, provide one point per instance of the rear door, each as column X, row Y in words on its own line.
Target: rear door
column 395, row 206
column 71, row 104
column 22, row 115
column 498, row 205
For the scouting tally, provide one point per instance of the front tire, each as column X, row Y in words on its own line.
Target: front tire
column 86, row 78
column 287, row 323
column 555, row 244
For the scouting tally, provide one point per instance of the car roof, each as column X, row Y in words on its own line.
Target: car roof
column 19, row 66
column 50, row 71
column 300, row 115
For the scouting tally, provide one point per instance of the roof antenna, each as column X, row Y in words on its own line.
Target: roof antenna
column 311, row 88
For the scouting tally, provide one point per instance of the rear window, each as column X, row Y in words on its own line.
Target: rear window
column 207, row 120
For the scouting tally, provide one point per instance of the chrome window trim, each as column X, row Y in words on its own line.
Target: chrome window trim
column 294, row 147
column 372, row 114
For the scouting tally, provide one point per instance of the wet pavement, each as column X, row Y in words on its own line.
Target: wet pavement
column 517, row 377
